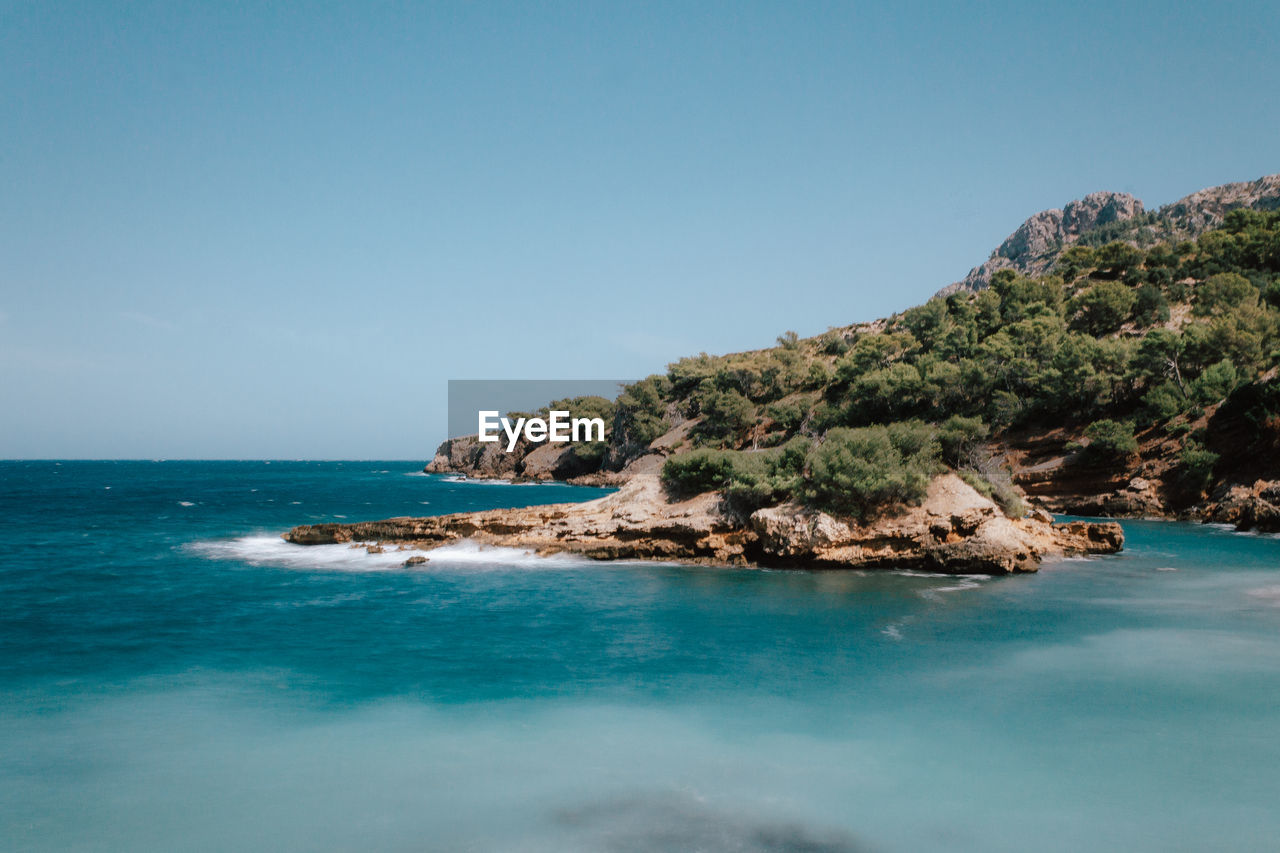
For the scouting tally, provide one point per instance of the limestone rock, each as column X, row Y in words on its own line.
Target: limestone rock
column 1255, row 507
column 466, row 455
column 955, row 529
column 1034, row 247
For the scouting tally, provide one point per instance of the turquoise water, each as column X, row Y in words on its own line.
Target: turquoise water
column 173, row 676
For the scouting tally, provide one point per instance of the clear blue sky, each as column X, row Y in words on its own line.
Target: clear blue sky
column 257, row 230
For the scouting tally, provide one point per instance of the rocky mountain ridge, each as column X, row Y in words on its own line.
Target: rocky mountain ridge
column 1033, row 248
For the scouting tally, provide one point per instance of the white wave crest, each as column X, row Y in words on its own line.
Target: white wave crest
column 354, row 557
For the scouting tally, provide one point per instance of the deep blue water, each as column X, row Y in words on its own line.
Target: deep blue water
column 174, row 676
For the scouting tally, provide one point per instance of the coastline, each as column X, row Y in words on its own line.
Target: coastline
column 955, row 530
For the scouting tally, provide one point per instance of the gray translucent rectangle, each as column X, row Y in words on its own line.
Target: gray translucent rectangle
column 469, row 397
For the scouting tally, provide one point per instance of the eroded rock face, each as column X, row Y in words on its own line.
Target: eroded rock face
column 1033, row 247
column 1139, row 498
column 1255, row 507
column 955, row 530
column 1206, row 209
column 473, row 458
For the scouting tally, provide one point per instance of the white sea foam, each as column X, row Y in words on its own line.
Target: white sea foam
column 1269, row 594
column 963, row 582
column 966, row 582
column 469, row 554
column 353, row 557
column 274, row 551
column 474, row 481
column 912, row 573
column 185, row 503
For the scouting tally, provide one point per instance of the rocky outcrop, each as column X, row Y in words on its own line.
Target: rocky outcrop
column 1205, row 210
column 954, row 530
column 1036, row 243
column 1034, row 247
column 1255, row 507
column 475, row 459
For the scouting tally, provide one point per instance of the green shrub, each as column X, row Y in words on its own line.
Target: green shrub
column 748, row 479
column 724, row 414
column 1150, row 308
column 915, row 438
column 640, row 411
column 1271, row 293
column 959, row 438
column 1110, row 440
column 1116, row 258
column 856, row 471
column 1104, row 307
column 1197, row 466
column 1216, row 383
column 1162, row 402
column 788, row 414
column 702, row 470
column 833, row 343
column 1224, row 291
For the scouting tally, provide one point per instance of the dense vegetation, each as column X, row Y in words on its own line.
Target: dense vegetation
column 1116, row 339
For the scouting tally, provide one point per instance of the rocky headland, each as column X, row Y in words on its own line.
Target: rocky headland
column 954, row 530
column 1106, row 361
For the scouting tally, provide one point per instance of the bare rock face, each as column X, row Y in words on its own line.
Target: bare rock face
column 1034, row 246
column 1139, row 498
column 955, row 530
column 473, row 458
column 1255, row 507
column 1204, row 210
column 549, row 462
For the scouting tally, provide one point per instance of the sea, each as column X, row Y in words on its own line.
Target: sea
column 174, row 676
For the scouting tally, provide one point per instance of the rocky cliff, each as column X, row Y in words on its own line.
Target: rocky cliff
column 1034, row 247
column 954, row 530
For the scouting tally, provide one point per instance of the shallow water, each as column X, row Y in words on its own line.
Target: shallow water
column 174, row 676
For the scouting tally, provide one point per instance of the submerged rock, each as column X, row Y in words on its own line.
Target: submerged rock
column 955, row 529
